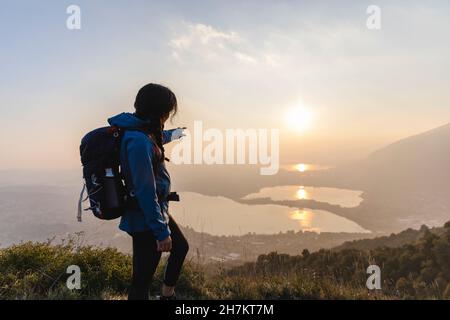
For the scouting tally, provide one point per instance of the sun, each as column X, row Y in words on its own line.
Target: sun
column 299, row 118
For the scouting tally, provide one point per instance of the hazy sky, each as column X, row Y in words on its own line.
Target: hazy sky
column 232, row 64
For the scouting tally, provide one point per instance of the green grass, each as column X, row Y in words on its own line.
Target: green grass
column 419, row 270
column 38, row 271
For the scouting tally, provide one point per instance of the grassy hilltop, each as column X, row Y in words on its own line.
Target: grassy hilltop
column 417, row 270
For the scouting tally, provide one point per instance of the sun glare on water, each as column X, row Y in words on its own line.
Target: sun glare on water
column 302, row 194
column 304, row 217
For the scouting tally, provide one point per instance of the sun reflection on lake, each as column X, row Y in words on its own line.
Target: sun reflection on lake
column 303, row 216
column 302, row 194
column 305, row 167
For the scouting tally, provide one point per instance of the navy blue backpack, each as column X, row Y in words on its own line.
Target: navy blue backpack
column 100, row 157
column 104, row 183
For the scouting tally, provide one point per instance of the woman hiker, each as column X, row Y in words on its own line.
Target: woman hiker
column 147, row 219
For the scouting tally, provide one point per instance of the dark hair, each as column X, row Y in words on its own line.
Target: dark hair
column 153, row 102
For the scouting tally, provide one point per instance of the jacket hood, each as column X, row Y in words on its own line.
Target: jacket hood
column 127, row 120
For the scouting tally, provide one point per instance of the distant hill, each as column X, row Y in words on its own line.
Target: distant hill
column 394, row 240
column 417, row 162
column 406, row 184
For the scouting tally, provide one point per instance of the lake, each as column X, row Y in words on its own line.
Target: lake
column 223, row 216
column 342, row 197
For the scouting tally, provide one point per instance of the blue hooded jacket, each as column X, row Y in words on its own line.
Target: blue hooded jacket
column 137, row 155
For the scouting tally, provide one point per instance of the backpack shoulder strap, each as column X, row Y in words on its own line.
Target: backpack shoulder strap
column 157, row 153
column 155, row 148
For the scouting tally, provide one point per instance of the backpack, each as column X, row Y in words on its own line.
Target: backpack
column 104, row 183
column 100, row 157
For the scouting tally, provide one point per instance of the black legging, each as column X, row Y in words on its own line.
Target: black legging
column 146, row 259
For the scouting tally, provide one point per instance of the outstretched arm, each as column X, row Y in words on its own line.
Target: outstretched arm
column 173, row 134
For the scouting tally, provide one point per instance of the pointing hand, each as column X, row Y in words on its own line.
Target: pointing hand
column 178, row 133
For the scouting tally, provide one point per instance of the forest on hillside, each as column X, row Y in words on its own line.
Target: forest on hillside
column 417, row 270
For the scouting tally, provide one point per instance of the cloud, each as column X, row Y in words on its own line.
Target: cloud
column 204, row 43
column 304, row 50
column 204, row 35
